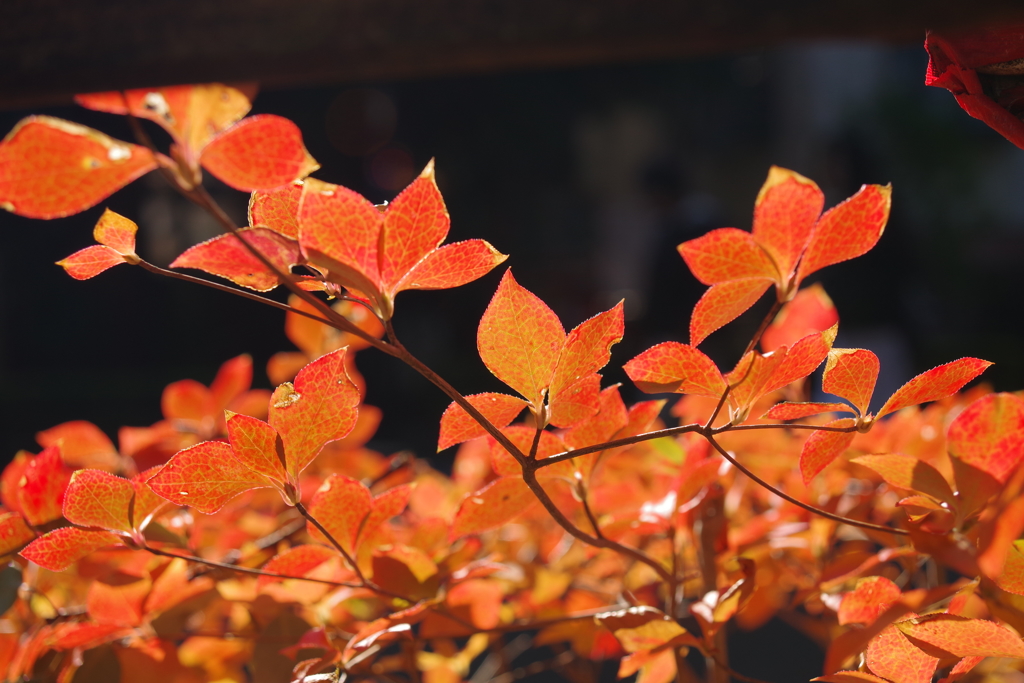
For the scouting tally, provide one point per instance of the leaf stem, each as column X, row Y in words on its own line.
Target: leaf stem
column 337, row 546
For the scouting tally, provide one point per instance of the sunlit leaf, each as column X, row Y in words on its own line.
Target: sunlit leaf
column 849, row 229
column 964, row 637
column 851, row 374
column 822, row 447
column 785, row 212
column 675, row 367
column 940, row 382
column 227, row 257
column 62, row 547
column 457, row 425
column 296, row 561
column 496, row 504
column 723, row 303
column 99, row 499
column 257, row 153
column 907, row 472
column 989, row 434
column 205, row 477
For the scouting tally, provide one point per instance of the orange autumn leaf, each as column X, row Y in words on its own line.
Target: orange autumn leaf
column 520, row 339
column 120, row 603
column 14, row 533
column 258, row 152
column 82, row 444
column 678, row 368
column 611, row 417
column 587, row 349
column 89, row 262
column 522, row 438
column 727, row 254
column 226, row 256
column 850, row 677
column 496, row 504
column 964, row 637
column 321, row 406
column 811, row 310
column 940, row 382
column 116, row 237
column 205, row 477
column 1011, row 579
column 96, row 498
column 851, row 374
column 722, row 303
column 785, row 213
column 795, row 411
column 277, row 209
column 906, row 472
column 383, row 252
column 576, row 402
column 50, row 168
column 256, row 445
column 43, row 483
column 62, row 547
column 822, row 447
column 849, row 229
column 457, row 426
column 891, row 654
column 341, row 504
column 870, row 597
column 989, row 434
column 296, row 561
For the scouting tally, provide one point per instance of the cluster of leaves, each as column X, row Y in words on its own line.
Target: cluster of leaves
column 252, row 535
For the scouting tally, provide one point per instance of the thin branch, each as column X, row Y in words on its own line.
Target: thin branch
column 231, row 290
column 590, row 514
column 248, row 570
column 799, row 503
column 337, row 546
column 626, row 441
column 816, row 428
column 530, row 477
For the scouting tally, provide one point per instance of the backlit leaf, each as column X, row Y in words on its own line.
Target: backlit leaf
column 255, row 445
column 43, row 483
column 496, row 504
column 906, row 472
column 611, row 417
column 457, row 426
column 849, row 229
column 964, row 637
column 801, row 358
column 851, row 374
column 522, row 437
column 341, row 505
column 277, row 209
column 795, row 411
column 785, row 212
column 940, row 382
column 588, row 348
column 51, row 168
column 727, row 254
column 90, row 262
column 452, row 265
column 118, row 603
column 892, row 655
column 867, row 600
column 415, row 224
column 1012, row 577
column 723, row 303
column 576, row 402
column 82, row 444
column 205, row 477
column 62, row 547
column 675, row 367
column 116, row 232
column 14, row 533
column 226, row 256
column 822, row 447
column 296, row 561
column 519, row 339
column 811, row 310
column 389, row 504
column 320, row 407
column 258, row 152
column 989, row 434
column 99, row 499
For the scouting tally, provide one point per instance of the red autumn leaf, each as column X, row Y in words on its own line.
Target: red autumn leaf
column 82, row 444
column 96, row 498
column 389, row 504
column 906, row 472
column 940, row 382
column 89, row 262
column 257, row 446
column 341, row 505
column 117, row 232
column 576, row 402
column 296, row 561
column 258, row 152
column 118, row 603
column 785, row 212
column 192, row 114
column 811, row 310
column 822, row 447
column 980, row 67
column 51, row 168
column 520, row 339
column 321, row 407
column 610, row 418
column 116, row 237
column 226, row 256
column 678, row 368
column 457, row 425
column 495, row 505
column 383, row 252
column 989, row 434
column 749, row 377
column 851, row 374
column 277, row 209
column 964, row 637
column 14, row 533
column 85, row 635
column 175, row 585
column 892, row 655
column 62, row 547
column 867, row 600
column 727, row 254
column 801, row 359
column 1012, row 577
column 795, row 411
column 849, row 229
column 146, row 503
column 43, row 483
column 722, row 304
column 850, row 677
column 587, row 349
column 205, row 477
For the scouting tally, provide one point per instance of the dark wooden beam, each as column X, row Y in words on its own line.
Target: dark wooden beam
column 50, row 49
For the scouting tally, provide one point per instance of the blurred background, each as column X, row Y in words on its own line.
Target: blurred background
column 587, row 162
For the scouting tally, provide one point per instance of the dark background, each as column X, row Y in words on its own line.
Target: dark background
column 586, row 164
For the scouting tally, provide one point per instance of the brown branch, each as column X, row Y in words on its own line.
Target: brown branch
column 337, row 546
column 799, row 503
column 626, row 441
column 248, row 570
